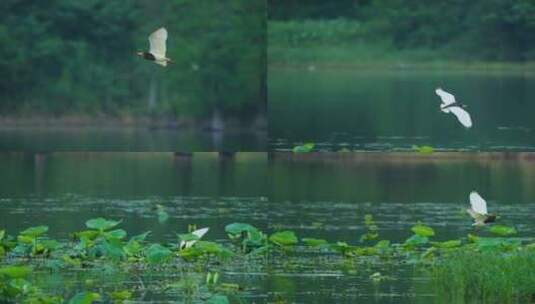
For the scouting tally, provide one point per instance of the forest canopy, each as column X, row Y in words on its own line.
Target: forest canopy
column 61, row 56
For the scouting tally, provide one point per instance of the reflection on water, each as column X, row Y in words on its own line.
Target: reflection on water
column 127, row 175
column 393, row 110
column 129, row 139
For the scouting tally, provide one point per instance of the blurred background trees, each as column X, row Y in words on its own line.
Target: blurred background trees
column 492, row 30
column 78, row 57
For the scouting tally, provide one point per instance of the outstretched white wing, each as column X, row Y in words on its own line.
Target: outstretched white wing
column 462, row 116
column 157, row 42
column 199, row 233
column 446, row 97
column 479, row 205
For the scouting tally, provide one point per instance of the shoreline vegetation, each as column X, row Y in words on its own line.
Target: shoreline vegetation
column 491, row 261
column 345, row 44
column 257, row 124
column 402, row 157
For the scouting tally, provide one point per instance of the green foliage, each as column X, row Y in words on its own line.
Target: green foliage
column 85, row 298
column 447, row 244
column 101, row 224
column 186, row 237
column 284, row 238
column 467, row 276
column 479, row 30
column 34, row 232
column 423, row 149
column 422, row 230
column 78, row 57
column 108, row 258
column 415, row 240
column 502, row 230
column 487, row 244
column 157, row 254
column 371, row 227
column 250, row 237
column 15, row 272
column 305, row 148
column 201, row 248
column 120, row 296
column 314, row 242
column 235, row 230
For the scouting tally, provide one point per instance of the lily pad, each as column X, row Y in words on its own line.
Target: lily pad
column 236, row 229
column 140, row 237
column 85, row 298
column 284, row 238
column 15, row 272
column 314, row 242
column 502, row 230
column 101, row 224
column 120, row 296
column 447, row 244
column 157, row 254
column 416, row 240
column 423, row 149
column 305, row 148
column 34, row 232
column 423, row 230
column 186, row 237
column 116, row 234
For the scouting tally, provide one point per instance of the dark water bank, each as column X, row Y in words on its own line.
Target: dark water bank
column 393, row 157
column 134, row 139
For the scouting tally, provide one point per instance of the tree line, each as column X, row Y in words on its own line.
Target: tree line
column 496, row 30
column 63, row 56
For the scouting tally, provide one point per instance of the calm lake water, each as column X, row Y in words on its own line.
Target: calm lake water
column 327, row 195
column 393, row 110
column 129, row 139
column 316, row 195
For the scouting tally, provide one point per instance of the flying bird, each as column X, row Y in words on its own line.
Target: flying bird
column 478, row 210
column 157, row 49
column 199, row 233
column 449, row 105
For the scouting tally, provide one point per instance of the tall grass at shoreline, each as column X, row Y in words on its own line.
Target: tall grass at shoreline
column 487, row 277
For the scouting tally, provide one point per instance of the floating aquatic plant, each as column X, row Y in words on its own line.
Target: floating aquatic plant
column 304, row 148
column 423, row 149
column 106, row 254
column 284, row 238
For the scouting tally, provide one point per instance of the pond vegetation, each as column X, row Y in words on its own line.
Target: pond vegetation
column 103, row 263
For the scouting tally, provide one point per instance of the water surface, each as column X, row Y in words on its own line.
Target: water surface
column 129, row 139
column 319, row 195
column 327, row 195
column 393, row 110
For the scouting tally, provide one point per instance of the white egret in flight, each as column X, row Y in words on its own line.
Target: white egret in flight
column 478, row 210
column 157, row 49
column 449, row 105
column 199, row 233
